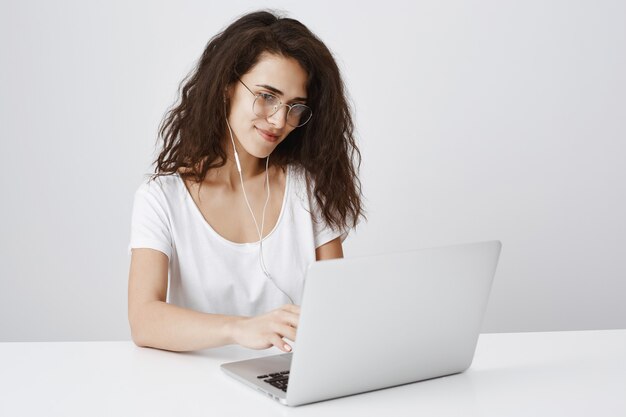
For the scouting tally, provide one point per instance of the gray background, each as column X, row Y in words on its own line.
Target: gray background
column 477, row 120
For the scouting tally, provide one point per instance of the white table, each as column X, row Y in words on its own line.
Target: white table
column 514, row 374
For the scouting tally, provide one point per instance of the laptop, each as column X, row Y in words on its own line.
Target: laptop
column 380, row 321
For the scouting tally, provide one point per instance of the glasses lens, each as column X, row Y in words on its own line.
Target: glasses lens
column 265, row 105
column 298, row 115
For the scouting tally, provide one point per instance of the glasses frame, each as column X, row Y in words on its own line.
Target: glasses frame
column 280, row 105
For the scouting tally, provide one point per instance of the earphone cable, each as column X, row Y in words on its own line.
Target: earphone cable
column 259, row 231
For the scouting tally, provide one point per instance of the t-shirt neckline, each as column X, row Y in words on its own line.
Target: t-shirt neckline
column 222, row 238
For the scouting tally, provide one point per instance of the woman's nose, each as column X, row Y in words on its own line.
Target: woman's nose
column 279, row 118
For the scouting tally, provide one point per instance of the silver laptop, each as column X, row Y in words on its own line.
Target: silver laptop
column 380, row 321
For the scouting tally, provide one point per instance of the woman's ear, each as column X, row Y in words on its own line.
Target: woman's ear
column 228, row 92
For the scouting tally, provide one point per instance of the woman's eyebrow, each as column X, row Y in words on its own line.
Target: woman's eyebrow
column 277, row 91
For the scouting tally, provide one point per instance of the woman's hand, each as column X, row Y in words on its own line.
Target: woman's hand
column 267, row 330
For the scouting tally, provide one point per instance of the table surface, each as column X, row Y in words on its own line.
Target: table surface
column 580, row 373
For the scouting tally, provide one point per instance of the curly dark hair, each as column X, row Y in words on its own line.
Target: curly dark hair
column 194, row 130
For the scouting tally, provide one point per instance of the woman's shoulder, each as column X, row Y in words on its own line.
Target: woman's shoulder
column 160, row 184
column 297, row 173
column 299, row 184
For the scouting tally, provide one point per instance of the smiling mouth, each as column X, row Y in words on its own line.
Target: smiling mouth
column 266, row 135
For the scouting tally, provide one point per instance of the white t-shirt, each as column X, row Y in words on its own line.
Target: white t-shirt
column 211, row 274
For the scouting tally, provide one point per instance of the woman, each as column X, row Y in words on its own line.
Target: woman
column 257, row 178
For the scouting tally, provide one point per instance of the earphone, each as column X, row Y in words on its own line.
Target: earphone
column 259, row 231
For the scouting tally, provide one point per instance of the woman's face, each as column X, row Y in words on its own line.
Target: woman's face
column 279, row 76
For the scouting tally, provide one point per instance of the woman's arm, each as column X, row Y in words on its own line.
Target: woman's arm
column 330, row 250
column 155, row 323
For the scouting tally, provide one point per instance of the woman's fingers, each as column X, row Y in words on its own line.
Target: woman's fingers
column 290, row 319
column 280, row 343
column 292, row 308
column 286, row 331
column 269, row 329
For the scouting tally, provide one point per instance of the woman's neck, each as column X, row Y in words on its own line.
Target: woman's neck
column 251, row 168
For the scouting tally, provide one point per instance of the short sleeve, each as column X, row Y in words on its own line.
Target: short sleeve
column 322, row 232
column 150, row 225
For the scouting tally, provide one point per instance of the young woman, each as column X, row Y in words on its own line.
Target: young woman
column 257, row 178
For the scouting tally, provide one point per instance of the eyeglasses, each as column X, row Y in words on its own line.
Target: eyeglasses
column 266, row 105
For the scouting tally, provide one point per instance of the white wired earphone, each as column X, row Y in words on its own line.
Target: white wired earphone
column 259, row 231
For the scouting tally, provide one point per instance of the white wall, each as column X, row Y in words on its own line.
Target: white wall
column 477, row 120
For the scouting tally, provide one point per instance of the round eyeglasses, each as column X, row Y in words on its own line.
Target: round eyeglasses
column 266, row 105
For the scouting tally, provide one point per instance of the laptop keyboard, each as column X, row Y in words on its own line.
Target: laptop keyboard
column 277, row 379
